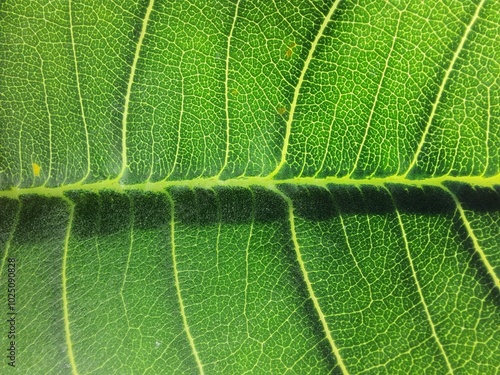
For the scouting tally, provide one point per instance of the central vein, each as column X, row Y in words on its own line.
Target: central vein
column 264, row 182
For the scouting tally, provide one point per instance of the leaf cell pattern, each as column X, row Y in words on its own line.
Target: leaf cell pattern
column 252, row 186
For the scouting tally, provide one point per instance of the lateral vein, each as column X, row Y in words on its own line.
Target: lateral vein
column 179, row 125
column 300, row 81
column 247, row 251
column 443, row 84
column 310, row 290
column 475, row 241
column 67, row 331
column 129, row 88
column 376, row 99
column 78, row 89
column 49, row 115
column 487, row 135
column 419, row 289
column 178, row 288
column 226, row 86
column 11, row 236
column 127, row 264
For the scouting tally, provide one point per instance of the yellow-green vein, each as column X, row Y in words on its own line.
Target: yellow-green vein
column 487, row 133
column 307, row 281
column 49, row 115
column 217, row 241
column 327, row 147
column 178, row 287
column 79, row 91
column 475, row 242
column 181, row 114
column 443, row 85
column 419, row 289
column 293, row 106
column 245, row 182
column 376, row 98
column 226, row 85
column 11, row 236
column 247, row 252
column 131, row 244
column 348, row 243
column 130, row 83
column 67, row 331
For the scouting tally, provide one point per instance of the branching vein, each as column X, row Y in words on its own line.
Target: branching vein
column 11, row 237
column 247, row 253
column 443, row 85
column 420, row 293
column 226, row 85
column 178, row 288
column 78, row 88
column 376, row 99
column 69, row 344
column 130, row 83
column 305, row 274
column 300, row 81
column 475, row 242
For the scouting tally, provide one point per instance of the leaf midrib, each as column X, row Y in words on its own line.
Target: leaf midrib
column 246, row 182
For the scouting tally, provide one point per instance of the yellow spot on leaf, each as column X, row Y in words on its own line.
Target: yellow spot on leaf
column 36, row 169
column 289, row 51
column 281, row 110
column 234, row 92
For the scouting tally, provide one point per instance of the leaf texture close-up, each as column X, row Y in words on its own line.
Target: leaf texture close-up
column 261, row 187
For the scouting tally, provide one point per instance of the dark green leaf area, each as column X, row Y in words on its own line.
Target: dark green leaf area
column 41, row 219
column 8, row 210
column 227, row 205
column 110, row 212
column 477, row 199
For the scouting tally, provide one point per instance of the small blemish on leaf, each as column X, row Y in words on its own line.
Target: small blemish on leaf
column 281, row 110
column 289, row 51
column 235, row 92
column 36, row 169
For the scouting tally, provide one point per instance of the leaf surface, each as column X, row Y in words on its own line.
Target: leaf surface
column 251, row 186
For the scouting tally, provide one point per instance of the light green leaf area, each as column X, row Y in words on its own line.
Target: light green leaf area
column 251, row 186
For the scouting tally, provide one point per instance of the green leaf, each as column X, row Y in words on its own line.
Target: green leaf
column 250, row 187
